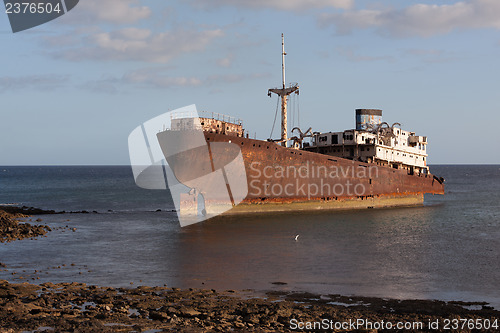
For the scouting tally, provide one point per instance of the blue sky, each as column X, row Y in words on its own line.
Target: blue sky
column 73, row 89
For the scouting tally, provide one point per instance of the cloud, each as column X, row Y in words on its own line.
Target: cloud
column 134, row 44
column 104, row 86
column 44, row 82
column 351, row 55
column 110, row 11
column 225, row 62
column 430, row 55
column 159, row 78
column 419, row 19
column 154, row 77
column 288, row 5
column 146, row 77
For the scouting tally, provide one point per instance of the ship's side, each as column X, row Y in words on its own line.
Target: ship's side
column 287, row 179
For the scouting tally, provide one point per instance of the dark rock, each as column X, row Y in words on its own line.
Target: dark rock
column 156, row 315
column 12, row 228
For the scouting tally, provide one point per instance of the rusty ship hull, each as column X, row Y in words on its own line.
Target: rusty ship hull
column 287, row 179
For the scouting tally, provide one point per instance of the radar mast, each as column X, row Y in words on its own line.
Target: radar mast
column 284, row 92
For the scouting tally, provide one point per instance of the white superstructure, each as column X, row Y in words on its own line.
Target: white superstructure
column 378, row 143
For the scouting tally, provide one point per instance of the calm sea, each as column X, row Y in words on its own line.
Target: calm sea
column 448, row 249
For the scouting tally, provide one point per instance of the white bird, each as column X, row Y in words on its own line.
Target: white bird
column 296, row 237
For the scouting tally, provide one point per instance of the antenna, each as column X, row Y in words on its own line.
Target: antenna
column 283, row 54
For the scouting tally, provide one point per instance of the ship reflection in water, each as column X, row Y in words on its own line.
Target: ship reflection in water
column 366, row 252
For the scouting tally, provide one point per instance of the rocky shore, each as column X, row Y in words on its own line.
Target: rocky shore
column 25, row 210
column 76, row 307
column 13, row 228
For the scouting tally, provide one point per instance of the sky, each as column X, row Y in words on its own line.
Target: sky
column 73, row 89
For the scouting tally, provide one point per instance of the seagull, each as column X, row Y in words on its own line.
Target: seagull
column 296, row 237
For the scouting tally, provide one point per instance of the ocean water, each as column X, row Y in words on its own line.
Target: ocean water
column 448, row 249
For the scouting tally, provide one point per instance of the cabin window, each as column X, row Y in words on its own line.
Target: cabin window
column 348, row 136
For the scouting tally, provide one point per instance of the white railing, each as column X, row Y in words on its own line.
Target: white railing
column 205, row 114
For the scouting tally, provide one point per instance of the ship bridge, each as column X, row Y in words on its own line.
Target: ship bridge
column 374, row 141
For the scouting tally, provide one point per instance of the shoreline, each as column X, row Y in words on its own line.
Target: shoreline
column 77, row 306
column 13, row 225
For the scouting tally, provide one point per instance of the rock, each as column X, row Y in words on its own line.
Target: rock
column 157, row 315
column 172, row 311
column 11, row 229
column 189, row 312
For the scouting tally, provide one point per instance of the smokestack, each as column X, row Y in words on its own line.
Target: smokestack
column 367, row 118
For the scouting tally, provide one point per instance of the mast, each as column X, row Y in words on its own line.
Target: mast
column 283, row 54
column 284, row 92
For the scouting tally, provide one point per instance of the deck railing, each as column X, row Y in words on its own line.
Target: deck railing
column 205, row 114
